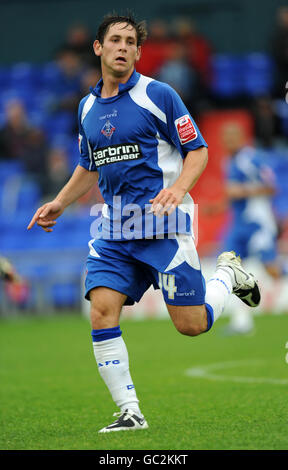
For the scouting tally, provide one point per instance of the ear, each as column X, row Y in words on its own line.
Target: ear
column 138, row 55
column 97, row 48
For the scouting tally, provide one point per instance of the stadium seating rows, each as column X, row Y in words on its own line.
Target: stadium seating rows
column 232, row 75
column 251, row 74
column 51, row 263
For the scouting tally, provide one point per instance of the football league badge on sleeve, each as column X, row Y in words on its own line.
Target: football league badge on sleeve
column 108, row 129
column 185, row 129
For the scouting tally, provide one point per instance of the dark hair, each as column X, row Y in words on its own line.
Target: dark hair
column 114, row 18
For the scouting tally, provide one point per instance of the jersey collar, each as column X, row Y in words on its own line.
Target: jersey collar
column 122, row 86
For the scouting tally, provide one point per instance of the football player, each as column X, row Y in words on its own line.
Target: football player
column 139, row 141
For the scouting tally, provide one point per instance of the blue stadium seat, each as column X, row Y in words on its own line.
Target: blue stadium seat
column 29, row 195
column 10, row 168
column 17, row 196
column 65, row 294
column 49, row 73
column 4, row 77
column 282, row 112
column 25, row 76
column 226, row 75
column 24, row 95
column 58, row 123
column 258, row 76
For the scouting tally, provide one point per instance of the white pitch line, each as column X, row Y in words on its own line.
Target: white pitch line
column 204, row 372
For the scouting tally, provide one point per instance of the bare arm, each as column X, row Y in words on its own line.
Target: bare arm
column 169, row 198
column 79, row 184
column 242, row 191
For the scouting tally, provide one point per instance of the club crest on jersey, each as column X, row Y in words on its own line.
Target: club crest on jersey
column 185, row 129
column 108, row 129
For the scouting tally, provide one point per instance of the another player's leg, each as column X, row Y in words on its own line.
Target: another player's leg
column 241, row 319
column 112, row 358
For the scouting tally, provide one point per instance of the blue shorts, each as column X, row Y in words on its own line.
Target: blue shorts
column 252, row 239
column 131, row 267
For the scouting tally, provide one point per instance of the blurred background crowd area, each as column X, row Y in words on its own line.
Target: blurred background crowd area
column 39, row 139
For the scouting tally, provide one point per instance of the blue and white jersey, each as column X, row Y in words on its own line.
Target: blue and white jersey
column 137, row 141
column 248, row 166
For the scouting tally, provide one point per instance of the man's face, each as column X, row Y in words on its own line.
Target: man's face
column 233, row 138
column 119, row 50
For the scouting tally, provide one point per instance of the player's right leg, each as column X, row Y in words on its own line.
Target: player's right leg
column 108, row 269
column 112, row 358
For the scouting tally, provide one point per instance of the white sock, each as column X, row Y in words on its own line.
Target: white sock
column 112, row 358
column 241, row 317
column 218, row 289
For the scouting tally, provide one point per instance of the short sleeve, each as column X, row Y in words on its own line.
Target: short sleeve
column 180, row 129
column 86, row 159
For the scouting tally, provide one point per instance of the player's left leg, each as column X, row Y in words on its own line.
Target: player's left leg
column 229, row 277
column 190, row 320
column 193, row 304
column 174, row 265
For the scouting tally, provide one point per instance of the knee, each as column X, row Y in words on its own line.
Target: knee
column 191, row 330
column 101, row 317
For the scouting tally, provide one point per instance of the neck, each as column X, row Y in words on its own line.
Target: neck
column 111, row 83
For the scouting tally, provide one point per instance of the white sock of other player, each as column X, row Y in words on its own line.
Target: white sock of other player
column 218, row 289
column 113, row 363
column 241, row 318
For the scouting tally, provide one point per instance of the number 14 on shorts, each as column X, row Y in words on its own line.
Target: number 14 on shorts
column 167, row 282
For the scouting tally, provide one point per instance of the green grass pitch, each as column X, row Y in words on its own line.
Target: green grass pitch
column 53, row 398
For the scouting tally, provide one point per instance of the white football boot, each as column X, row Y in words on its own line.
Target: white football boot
column 127, row 420
column 245, row 287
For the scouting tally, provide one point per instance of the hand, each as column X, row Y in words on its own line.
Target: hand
column 45, row 216
column 166, row 201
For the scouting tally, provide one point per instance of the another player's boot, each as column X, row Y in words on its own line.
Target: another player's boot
column 127, row 420
column 246, row 287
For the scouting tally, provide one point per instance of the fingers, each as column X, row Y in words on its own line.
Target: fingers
column 34, row 218
column 40, row 217
column 164, row 210
column 47, row 224
column 45, row 211
column 164, row 203
column 170, row 210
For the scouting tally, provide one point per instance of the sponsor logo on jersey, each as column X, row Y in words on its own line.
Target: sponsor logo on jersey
column 108, row 129
column 116, row 153
column 185, row 129
column 114, row 113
